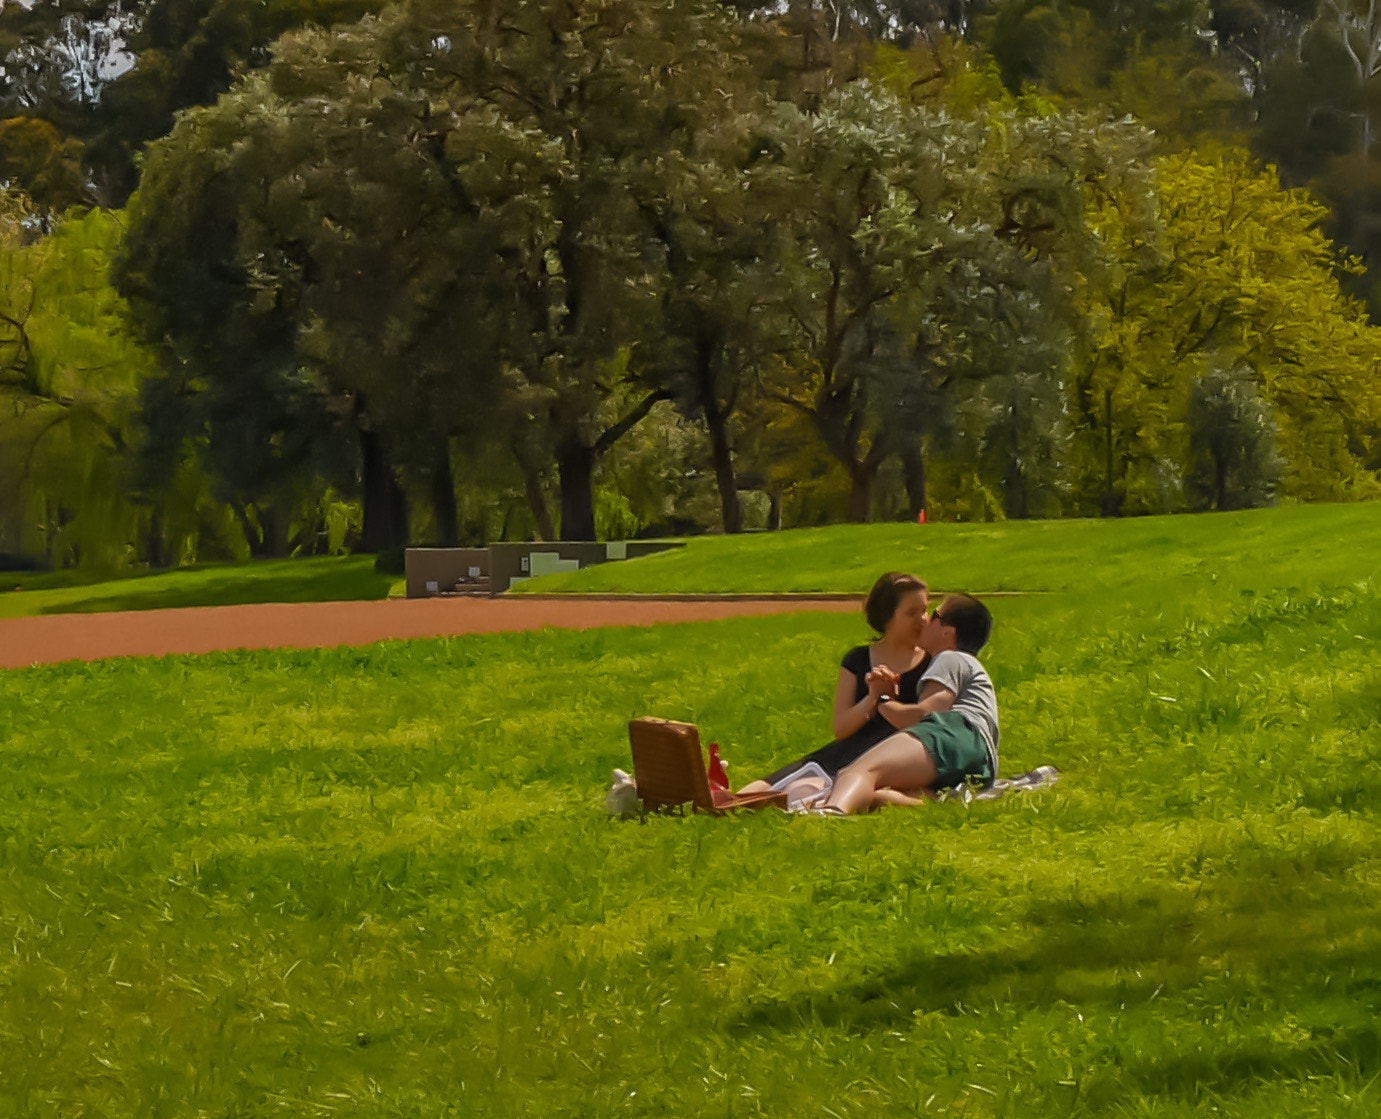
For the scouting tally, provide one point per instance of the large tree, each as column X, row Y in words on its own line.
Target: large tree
column 70, row 375
column 927, row 259
column 1320, row 123
column 719, row 234
column 85, row 84
column 611, row 102
column 1234, row 273
column 333, row 276
column 404, row 208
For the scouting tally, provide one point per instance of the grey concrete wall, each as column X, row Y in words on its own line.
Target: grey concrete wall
column 429, row 571
column 510, row 561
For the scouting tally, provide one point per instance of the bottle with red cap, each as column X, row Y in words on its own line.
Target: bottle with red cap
column 719, row 779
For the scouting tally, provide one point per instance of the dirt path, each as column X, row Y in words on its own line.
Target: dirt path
column 311, row 625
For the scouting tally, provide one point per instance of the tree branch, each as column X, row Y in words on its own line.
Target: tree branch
column 613, row 434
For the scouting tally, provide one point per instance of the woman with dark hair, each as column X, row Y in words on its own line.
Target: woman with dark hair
column 889, row 667
column 895, row 609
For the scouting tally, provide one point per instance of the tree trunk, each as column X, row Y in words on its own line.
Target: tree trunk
column 275, row 544
column 1111, row 505
column 155, row 550
column 536, row 499
column 443, row 495
column 49, row 532
column 385, row 504
column 861, row 492
column 718, row 423
column 862, row 474
column 774, row 510
column 575, row 469
column 913, row 476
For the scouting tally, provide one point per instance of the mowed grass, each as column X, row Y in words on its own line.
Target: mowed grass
column 1254, row 549
column 337, row 578
column 376, row 882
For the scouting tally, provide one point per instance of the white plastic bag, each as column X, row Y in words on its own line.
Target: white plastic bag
column 622, row 798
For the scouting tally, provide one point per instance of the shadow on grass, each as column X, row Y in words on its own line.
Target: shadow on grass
column 1238, row 939
column 1116, row 951
column 1351, row 1053
column 312, row 583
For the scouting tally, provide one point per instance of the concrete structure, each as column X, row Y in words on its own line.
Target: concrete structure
column 431, row 571
column 494, row 569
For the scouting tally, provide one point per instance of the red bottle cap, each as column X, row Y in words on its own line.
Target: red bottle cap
column 715, row 770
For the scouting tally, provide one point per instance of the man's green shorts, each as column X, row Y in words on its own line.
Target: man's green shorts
column 958, row 750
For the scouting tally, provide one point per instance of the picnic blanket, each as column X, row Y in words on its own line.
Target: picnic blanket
column 807, row 786
column 814, row 785
column 1038, row 778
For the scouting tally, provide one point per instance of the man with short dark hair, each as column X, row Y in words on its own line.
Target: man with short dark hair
column 950, row 736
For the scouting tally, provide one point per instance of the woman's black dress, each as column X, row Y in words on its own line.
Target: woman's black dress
column 844, row 752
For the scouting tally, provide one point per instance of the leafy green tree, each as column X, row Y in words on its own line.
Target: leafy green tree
column 36, row 156
column 1319, row 123
column 718, row 232
column 614, row 119
column 860, row 182
column 1233, row 461
column 329, row 305
column 1236, row 272
column 70, row 376
column 187, row 53
column 931, row 254
column 92, row 81
column 448, row 196
column 1154, row 59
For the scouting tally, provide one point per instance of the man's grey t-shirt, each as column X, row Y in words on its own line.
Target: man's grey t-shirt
column 974, row 697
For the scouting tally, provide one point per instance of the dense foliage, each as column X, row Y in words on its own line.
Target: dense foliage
column 596, row 267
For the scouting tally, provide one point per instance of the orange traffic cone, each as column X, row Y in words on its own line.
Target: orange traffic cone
column 920, row 517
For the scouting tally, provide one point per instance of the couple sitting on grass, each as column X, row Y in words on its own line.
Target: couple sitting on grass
column 914, row 712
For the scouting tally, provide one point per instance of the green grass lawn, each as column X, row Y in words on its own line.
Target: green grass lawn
column 1256, row 549
column 376, row 882
column 302, row 580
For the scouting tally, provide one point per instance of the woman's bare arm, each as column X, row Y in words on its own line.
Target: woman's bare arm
column 850, row 716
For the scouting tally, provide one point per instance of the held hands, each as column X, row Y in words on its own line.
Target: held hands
column 882, row 681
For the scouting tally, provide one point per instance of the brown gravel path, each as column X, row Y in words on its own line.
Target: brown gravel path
column 310, row 625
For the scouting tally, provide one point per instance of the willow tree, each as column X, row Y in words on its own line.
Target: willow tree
column 70, row 374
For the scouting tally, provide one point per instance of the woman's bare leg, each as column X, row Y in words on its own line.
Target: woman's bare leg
column 807, row 788
column 898, row 799
column 899, row 762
